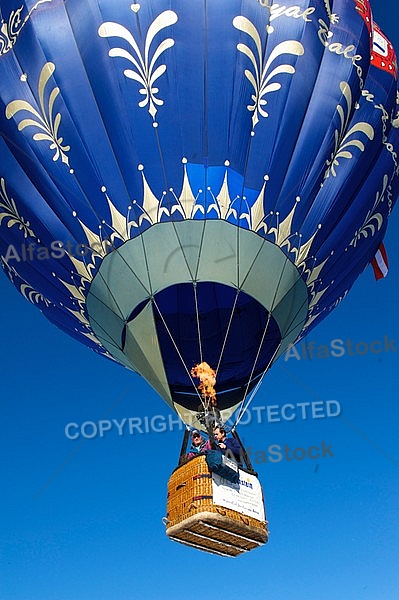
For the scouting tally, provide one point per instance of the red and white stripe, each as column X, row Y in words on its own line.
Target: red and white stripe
column 380, row 263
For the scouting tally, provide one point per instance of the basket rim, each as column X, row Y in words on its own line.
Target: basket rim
column 203, row 454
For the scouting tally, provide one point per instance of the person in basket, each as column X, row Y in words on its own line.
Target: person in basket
column 229, row 446
column 198, row 444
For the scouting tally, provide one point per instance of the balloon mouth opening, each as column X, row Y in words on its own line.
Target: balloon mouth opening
column 216, row 323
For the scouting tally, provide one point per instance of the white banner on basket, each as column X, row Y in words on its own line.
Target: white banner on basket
column 245, row 497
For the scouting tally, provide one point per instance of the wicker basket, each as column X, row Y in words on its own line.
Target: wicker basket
column 193, row 519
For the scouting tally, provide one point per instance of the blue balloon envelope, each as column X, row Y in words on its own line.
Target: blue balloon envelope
column 186, row 181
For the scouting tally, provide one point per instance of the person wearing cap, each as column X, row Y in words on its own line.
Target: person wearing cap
column 198, row 444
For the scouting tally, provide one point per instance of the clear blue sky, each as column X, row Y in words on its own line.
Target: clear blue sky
column 83, row 520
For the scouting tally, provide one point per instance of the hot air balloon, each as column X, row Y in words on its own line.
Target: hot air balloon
column 188, row 182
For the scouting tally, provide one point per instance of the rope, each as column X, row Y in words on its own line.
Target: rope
column 178, row 351
column 198, row 320
column 227, row 331
column 254, row 391
column 242, row 410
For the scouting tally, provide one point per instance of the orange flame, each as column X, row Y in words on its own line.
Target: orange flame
column 207, row 377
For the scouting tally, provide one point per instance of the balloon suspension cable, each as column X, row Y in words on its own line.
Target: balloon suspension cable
column 265, row 330
column 254, row 391
column 198, row 320
column 177, row 350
